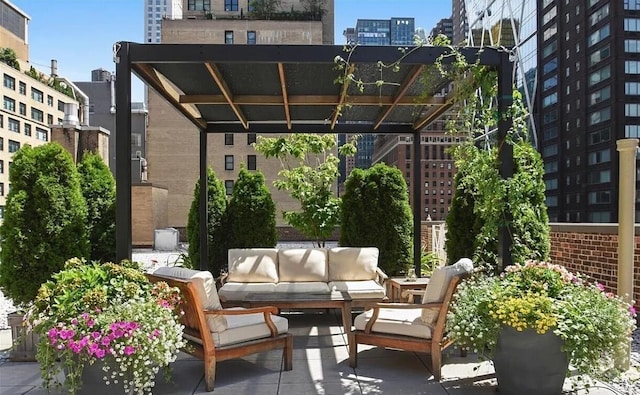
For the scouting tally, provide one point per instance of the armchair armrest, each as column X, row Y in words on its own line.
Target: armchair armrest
column 265, row 310
column 410, row 294
column 381, row 276
column 222, row 278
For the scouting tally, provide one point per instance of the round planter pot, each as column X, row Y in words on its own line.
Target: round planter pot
column 94, row 384
column 528, row 363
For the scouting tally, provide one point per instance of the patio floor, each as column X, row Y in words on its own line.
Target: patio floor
column 320, row 366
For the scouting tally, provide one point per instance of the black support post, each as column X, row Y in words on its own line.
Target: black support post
column 505, row 153
column 204, row 201
column 417, row 200
column 123, row 151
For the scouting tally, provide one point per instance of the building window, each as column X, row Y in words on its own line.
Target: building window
column 60, row 105
column 600, row 197
column 9, row 82
column 228, row 187
column 599, row 15
column 551, row 184
column 600, row 95
column 231, row 5
column 42, row 134
column 550, row 66
column 199, row 5
column 50, row 100
column 550, row 150
column 251, row 138
column 631, row 25
column 27, row 129
column 251, row 162
column 550, row 82
column 599, row 177
column 1, row 144
column 22, row 88
column 632, row 88
column 37, row 95
column 549, row 15
column 550, row 99
column 22, row 109
column 228, row 37
column 9, row 104
column 632, row 67
column 597, row 157
column 251, row 37
column 228, row 139
column 599, row 116
column 49, row 119
column 632, row 110
column 599, row 216
column 13, row 146
column 1, row 188
column 37, row 115
column 599, row 35
column 599, row 75
column 631, row 4
column 228, row 162
column 550, row 32
column 632, row 131
column 13, row 125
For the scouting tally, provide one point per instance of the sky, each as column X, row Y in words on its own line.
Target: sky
column 80, row 34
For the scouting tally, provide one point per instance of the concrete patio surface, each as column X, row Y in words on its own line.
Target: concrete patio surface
column 320, row 366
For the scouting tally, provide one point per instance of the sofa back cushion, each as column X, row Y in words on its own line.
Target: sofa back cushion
column 303, row 264
column 253, row 265
column 438, row 284
column 353, row 263
column 205, row 287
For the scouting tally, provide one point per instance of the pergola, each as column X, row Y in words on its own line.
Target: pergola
column 291, row 89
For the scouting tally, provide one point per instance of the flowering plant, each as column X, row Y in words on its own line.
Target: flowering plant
column 595, row 325
column 110, row 313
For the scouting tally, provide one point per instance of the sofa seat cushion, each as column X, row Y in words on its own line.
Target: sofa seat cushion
column 242, row 328
column 303, row 264
column 233, row 291
column 253, row 265
column 405, row 322
column 353, row 263
column 205, row 287
column 367, row 289
column 313, row 287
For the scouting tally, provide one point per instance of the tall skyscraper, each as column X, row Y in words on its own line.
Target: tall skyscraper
column 394, row 31
column 445, row 27
column 589, row 81
column 172, row 140
column 157, row 10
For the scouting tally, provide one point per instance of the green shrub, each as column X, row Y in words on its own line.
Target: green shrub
column 376, row 213
column 463, row 224
column 99, row 191
column 44, row 221
column 251, row 213
column 216, row 206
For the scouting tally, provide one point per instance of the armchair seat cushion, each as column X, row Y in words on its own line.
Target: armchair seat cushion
column 407, row 322
column 365, row 289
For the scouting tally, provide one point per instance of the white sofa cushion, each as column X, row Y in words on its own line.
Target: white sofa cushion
column 233, row 291
column 366, row 289
column 303, row 264
column 242, row 328
column 205, row 287
column 438, row 284
column 396, row 321
column 353, row 263
column 308, row 287
column 253, row 265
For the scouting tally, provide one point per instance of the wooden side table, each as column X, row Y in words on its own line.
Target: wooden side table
column 397, row 285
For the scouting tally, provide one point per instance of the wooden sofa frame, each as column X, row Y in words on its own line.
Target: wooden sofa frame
column 434, row 346
column 196, row 327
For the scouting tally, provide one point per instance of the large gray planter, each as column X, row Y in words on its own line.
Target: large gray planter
column 528, row 363
column 24, row 343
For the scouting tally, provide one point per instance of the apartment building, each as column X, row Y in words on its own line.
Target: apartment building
column 172, row 141
column 30, row 104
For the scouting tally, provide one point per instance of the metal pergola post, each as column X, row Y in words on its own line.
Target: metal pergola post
column 417, row 206
column 203, row 209
column 123, row 151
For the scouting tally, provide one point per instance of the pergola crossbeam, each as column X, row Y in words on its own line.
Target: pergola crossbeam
column 226, row 92
column 417, row 70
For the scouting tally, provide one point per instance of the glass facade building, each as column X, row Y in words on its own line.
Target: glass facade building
column 394, row 31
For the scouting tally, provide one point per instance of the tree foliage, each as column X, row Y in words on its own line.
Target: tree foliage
column 99, row 191
column 376, row 212
column 309, row 172
column 264, row 8
column 44, row 222
column 8, row 56
column 462, row 223
column 317, row 8
column 216, row 206
column 251, row 213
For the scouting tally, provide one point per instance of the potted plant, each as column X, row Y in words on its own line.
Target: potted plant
column 107, row 315
column 550, row 316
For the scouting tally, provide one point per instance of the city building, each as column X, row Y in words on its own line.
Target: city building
column 589, row 84
column 155, row 11
column 102, row 110
column 394, row 31
column 172, row 140
column 445, row 27
column 33, row 103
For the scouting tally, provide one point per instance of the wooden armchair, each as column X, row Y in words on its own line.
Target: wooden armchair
column 216, row 334
column 412, row 327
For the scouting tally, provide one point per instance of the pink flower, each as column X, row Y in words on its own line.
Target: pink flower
column 67, row 334
column 600, row 286
column 90, row 323
column 128, row 350
column 53, row 333
column 632, row 310
column 99, row 353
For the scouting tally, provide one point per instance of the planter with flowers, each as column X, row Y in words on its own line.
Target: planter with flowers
column 536, row 316
column 108, row 315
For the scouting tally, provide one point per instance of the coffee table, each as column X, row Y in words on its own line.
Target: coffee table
column 284, row 300
column 397, row 285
